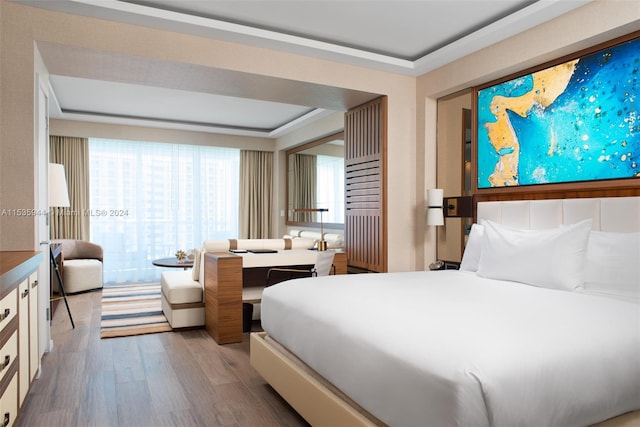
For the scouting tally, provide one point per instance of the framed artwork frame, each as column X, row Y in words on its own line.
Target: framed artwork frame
column 569, row 122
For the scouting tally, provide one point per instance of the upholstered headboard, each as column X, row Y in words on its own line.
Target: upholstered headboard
column 614, row 214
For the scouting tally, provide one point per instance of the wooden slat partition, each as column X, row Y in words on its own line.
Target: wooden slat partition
column 365, row 140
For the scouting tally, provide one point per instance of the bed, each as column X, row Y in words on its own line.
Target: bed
column 547, row 339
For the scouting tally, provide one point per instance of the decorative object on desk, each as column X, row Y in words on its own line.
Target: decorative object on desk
column 322, row 244
column 181, row 255
column 132, row 310
column 434, row 206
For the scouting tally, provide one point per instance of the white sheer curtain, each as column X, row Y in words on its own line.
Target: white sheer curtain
column 330, row 188
column 150, row 199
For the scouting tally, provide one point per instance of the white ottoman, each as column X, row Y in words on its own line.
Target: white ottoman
column 81, row 275
column 182, row 299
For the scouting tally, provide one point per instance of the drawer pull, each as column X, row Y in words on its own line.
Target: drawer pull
column 25, row 293
column 4, row 315
column 34, row 284
column 7, row 419
column 7, row 361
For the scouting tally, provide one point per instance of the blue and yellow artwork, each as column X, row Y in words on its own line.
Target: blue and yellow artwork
column 576, row 121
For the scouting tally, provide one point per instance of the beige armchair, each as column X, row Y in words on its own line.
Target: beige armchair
column 81, row 265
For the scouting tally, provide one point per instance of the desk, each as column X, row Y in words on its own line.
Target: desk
column 172, row 262
column 223, row 283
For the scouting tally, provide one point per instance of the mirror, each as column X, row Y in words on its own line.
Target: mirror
column 315, row 179
column 466, row 171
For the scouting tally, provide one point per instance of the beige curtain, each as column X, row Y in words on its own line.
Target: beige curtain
column 303, row 186
column 73, row 153
column 256, row 194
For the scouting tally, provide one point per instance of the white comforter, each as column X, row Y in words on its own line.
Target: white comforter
column 449, row 348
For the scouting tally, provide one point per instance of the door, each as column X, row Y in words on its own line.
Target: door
column 42, row 222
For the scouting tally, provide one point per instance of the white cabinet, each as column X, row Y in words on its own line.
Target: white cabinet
column 9, row 403
column 34, row 341
column 9, row 358
column 23, row 329
column 19, row 353
column 28, row 328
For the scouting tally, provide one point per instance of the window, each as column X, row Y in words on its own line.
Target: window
column 330, row 187
column 150, row 199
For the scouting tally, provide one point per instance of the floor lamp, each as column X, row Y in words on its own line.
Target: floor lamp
column 58, row 197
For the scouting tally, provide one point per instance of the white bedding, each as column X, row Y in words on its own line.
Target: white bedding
column 451, row 348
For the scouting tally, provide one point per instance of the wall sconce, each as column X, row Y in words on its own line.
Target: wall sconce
column 434, row 206
column 458, row 207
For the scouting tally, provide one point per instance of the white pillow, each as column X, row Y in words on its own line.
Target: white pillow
column 473, row 249
column 551, row 258
column 195, row 270
column 302, row 243
column 612, row 264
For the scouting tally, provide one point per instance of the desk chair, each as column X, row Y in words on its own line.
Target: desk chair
column 322, row 267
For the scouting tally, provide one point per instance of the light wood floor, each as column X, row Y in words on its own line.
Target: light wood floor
column 167, row 379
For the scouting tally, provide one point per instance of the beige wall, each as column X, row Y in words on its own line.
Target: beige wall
column 1, row 176
column 140, row 133
column 449, row 173
column 587, row 26
column 22, row 26
column 412, row 102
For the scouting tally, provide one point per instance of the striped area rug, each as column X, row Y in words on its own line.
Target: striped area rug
column 132, row 309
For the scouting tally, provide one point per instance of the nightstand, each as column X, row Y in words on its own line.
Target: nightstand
column 444, row 265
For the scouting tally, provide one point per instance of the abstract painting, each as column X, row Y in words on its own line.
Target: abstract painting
column 574, row 121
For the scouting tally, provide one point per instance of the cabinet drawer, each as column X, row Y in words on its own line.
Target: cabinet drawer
column 8, row 353
column 8, row 310
column 9, row 403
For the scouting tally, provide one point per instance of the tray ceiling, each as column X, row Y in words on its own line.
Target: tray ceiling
column 407, row 37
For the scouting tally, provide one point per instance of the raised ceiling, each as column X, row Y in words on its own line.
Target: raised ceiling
column 407, row 37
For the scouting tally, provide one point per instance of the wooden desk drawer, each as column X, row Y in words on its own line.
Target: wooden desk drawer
column 8, row 310
column 8, row 353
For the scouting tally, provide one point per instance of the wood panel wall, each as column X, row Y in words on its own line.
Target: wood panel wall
column 365, row 142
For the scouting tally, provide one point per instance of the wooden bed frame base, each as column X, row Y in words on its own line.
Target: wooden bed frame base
column 319, row 404
column 314, row 401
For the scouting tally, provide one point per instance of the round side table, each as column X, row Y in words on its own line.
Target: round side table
column 172, row 262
